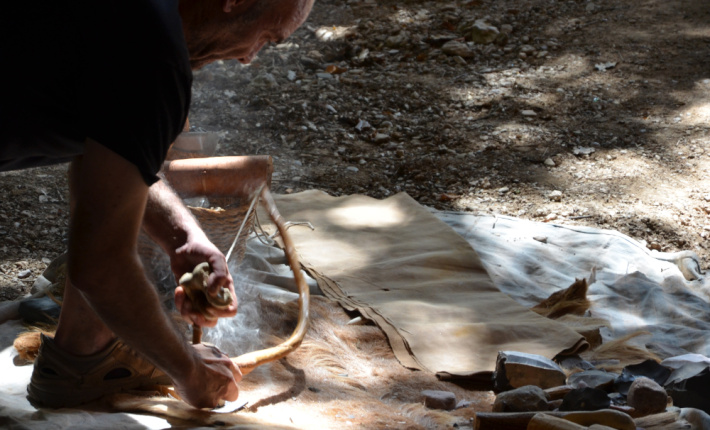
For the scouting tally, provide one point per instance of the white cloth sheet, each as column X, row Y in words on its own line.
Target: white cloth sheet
column 632, row 287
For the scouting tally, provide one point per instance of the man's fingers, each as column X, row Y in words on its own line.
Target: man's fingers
column 189, row 313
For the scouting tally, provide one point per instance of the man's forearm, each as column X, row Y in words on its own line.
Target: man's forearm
column 167, row 220
column 110, row 200
column 130, row 307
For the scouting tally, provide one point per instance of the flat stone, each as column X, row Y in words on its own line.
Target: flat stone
column 483, row 33
column 548, row 422
column 592, row 378
column 381, row 138
column 454, row 47
column 518, row 369
column 647, row 397
column 524, row 399
column 697, row 418
column 434, row 399
column 605, row 417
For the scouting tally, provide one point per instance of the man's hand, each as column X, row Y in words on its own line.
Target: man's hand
column 215, row 379
column 183, row 261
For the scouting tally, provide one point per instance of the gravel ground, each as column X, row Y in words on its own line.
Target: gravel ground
column 589, row 113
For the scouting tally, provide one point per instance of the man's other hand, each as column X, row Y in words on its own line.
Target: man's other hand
column 215, row 379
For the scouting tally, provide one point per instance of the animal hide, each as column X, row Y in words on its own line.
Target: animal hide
column 341, row 373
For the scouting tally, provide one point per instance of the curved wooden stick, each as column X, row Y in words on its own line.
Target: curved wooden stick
column 250, row 361
column 195, row 282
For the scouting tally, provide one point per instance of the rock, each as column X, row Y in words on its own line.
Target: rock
column 381, row 138
column 697, row 418
column 585, row 399
column 548, row 422
column 527, row 49
column 555, row 196
column 606, row 417
column 506, row 28
column 528, row 112
column 649, row 368
column 483, row 33
column 397, row 41
column 41, row 283
column 265, row 80
column 24, row 274
column 454, row 47
column 465, row 404
column 579, row 150
column 518, row 369
column 434, row 399
column 575, row 362
column 593, row 378
column 503, row 190
column 362, row 125
column 42, row 310
column 558, row 393
column 549, row 162
column 524, row 399
column 602, row 67
column 352, row 169
column 647, row 397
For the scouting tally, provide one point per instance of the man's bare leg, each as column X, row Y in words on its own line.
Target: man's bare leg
column 80, row 331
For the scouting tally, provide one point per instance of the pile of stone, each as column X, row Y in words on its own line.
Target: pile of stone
column 534, row 392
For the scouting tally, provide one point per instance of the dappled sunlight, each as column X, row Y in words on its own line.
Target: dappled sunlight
column 361, row 217
column 333, row 33
column 697, row 114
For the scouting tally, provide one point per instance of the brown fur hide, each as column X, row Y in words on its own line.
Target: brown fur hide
column 341, row 373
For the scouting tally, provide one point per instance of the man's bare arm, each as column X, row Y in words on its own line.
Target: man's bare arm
column 104, row 266
column 173, row 227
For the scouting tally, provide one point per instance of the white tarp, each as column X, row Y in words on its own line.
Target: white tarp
column 633, row 288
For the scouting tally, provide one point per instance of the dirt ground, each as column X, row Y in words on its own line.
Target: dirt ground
column 578, row 112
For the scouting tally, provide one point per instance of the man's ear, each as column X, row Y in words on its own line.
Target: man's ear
column 228, row 5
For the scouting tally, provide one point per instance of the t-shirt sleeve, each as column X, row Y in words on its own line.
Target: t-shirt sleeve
column 136, row 85
column 139, row 119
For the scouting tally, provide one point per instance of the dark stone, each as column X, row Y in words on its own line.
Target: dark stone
column 649, row 369
column 585, row 399
column 647, row 396
column 524, row 399
column 434, row 399
column 42, row 310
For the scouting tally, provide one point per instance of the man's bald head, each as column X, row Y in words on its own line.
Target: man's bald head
column 238, row 29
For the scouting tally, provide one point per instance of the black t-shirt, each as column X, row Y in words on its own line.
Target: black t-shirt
column 113, row 71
